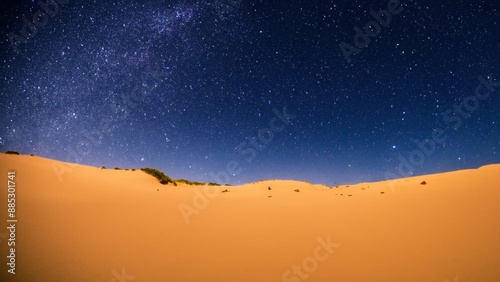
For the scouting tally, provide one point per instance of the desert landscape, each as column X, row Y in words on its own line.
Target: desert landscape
column 93, row 224
column 258, row 141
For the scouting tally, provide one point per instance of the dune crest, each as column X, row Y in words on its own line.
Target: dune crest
column 92, row 224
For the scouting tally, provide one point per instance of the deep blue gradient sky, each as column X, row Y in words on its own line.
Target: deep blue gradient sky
column 179, row 85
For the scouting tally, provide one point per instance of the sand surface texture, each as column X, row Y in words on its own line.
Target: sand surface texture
column 81, row 223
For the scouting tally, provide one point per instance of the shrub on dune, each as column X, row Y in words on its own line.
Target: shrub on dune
column 162, row 177
column 185, row 181
column 11, row 153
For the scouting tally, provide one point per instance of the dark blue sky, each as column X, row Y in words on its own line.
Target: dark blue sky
column 188, row 87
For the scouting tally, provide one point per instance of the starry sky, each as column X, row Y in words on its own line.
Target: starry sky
column 236, row 91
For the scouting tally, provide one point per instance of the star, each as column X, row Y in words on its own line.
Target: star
column 174, row 83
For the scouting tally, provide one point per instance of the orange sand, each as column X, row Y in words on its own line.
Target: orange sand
column 107, row 225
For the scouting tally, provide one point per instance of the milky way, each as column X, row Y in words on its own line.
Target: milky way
column 198, row 89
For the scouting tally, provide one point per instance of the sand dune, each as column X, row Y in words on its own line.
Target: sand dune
column 89, row 224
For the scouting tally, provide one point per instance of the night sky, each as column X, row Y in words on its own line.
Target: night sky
column 252, row 90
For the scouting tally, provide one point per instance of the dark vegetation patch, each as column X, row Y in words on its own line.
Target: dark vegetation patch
column 162, row 177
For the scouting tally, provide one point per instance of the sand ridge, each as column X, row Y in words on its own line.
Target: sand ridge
column 117, row 225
